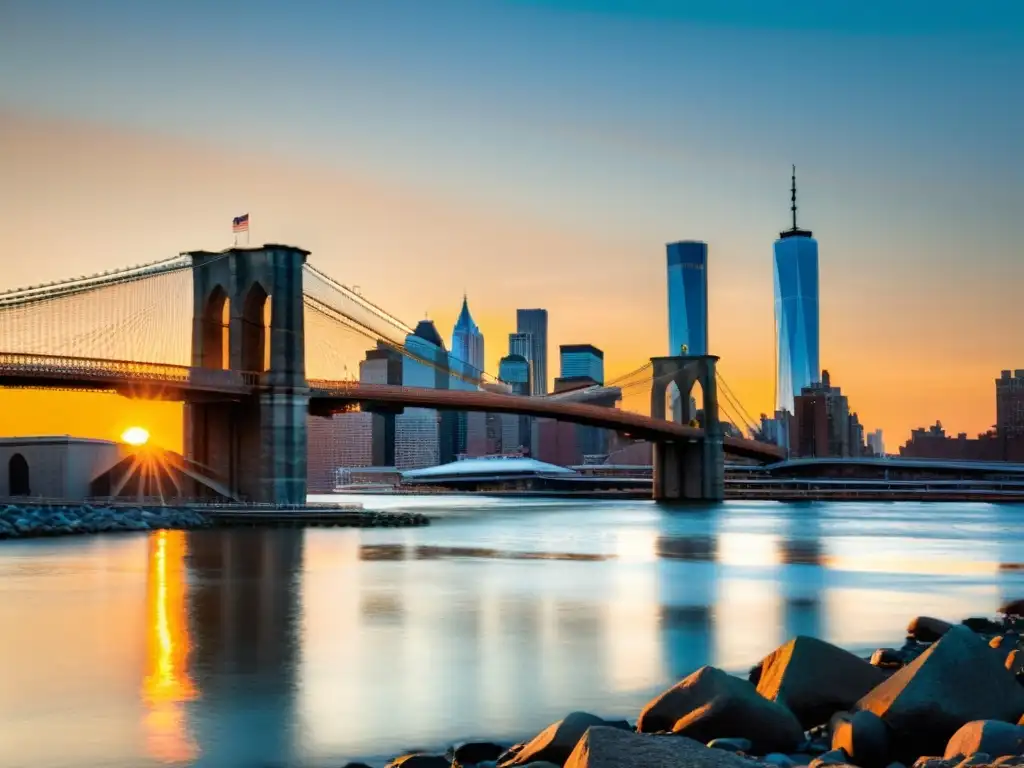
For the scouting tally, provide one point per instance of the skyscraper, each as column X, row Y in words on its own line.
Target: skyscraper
column 687, row 297
column 796, row 312
column 535, row 323
column 467, row 340
column 582, row 361
column 467, row 364
column 424, row 438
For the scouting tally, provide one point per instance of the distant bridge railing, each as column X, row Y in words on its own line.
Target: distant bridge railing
column 17, row 365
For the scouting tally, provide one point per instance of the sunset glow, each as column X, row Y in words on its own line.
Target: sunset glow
column 135, row 436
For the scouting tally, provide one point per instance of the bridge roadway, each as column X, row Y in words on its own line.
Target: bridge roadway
column 174, row 382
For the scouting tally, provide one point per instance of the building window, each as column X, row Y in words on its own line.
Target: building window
column 17, row 476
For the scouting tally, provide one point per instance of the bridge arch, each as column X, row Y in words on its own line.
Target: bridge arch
column 18, row 476
column 256, row 308
column 216, row 329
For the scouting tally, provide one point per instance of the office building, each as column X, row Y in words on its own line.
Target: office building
column 1010, row 404
column 535, row 323
column 466, row 362
column 382, row 365
column 515, row 370
column 581, row 361
column 823, row 425
column 424, row 437
column 796, row 312
column 876, row 443
column 468, row 341
column 687, row 298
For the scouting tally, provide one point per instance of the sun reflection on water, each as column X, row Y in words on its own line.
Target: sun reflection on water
column 166, row 686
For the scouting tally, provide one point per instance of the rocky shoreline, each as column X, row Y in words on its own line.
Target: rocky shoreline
column 951, row 697
column 27, row 521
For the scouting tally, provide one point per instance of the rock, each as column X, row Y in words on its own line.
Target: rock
column 993, row 737
column 419, row 760
column 1009, row 760
column 895, row 765
column 813, row 679
column 474, row 752
column 1015, row 661
column 886, row 658
column 556, row 742
column 833, row 757
column 1012, row 608
column 979, row 758
column 932, row 762
column 955, row 681
column 927, row 629
column 983, row 626
column 780, row 760
column 732, row 745
column 863, row 737
column 604, row 747
column 355, row 765
column 711, row 704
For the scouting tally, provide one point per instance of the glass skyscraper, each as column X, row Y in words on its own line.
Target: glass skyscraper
column 797, row 363
column 535, row 323
column 688, row 297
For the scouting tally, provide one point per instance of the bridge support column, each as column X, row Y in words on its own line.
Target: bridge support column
column 688, row 470
column 256, row 443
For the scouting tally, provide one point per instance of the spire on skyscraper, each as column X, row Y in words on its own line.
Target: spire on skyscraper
column 795, row 231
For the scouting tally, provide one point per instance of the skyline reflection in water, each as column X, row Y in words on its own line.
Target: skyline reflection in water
column 244, row 647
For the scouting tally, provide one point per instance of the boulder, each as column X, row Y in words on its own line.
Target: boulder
column 1012, row 608
column 556, row 742
column 473, row 752
column 863, row 737
column 978, row 758
column 780, row 760
column 604, row 747
column 732, row 745
column 419, row 760
column 957, row 680
column 710, row 704
column 1015, row 661
column 927, row 629
column 833, row 757
column 886, row 658
column 992, row 737
column 814, row 679
column 983, row 626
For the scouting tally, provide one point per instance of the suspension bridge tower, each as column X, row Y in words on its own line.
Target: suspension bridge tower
column 688, row 470
column 248, row 317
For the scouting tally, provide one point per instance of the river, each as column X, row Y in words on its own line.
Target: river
column 308, row 648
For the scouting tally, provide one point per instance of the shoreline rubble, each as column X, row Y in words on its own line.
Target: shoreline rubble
column 33, row 521
column 951, row 697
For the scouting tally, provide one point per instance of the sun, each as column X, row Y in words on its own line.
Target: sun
column 135, row 436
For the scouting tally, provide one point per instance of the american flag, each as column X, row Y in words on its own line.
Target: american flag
column 240, row 223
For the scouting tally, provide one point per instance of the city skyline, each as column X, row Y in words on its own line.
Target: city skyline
column 903, row 185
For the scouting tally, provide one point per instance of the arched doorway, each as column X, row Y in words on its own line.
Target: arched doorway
column 17, row 476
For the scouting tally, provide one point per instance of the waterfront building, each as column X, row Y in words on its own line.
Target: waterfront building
column 535, row 323
column 796, row 312
column 1010, row 404
column 581, row 361
column 687, row 297
column 876, row 443
column 424, row 437
column 822, row 423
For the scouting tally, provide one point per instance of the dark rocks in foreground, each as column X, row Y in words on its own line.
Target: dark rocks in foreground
column 952, row 697
column 25, row 521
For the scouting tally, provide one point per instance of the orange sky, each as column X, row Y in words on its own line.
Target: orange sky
column 908, row 345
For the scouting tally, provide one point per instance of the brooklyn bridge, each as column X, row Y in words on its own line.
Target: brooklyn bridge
column 255, row 340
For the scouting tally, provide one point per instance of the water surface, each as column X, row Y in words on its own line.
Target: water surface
column 308, row 648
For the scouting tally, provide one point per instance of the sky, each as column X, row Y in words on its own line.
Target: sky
column 541, row 153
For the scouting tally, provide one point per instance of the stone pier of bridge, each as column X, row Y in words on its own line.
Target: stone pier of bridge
column 688, row 470
column 255, row 444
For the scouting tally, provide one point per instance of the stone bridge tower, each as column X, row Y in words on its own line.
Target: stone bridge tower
column 248, row 317
column 688, row 470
